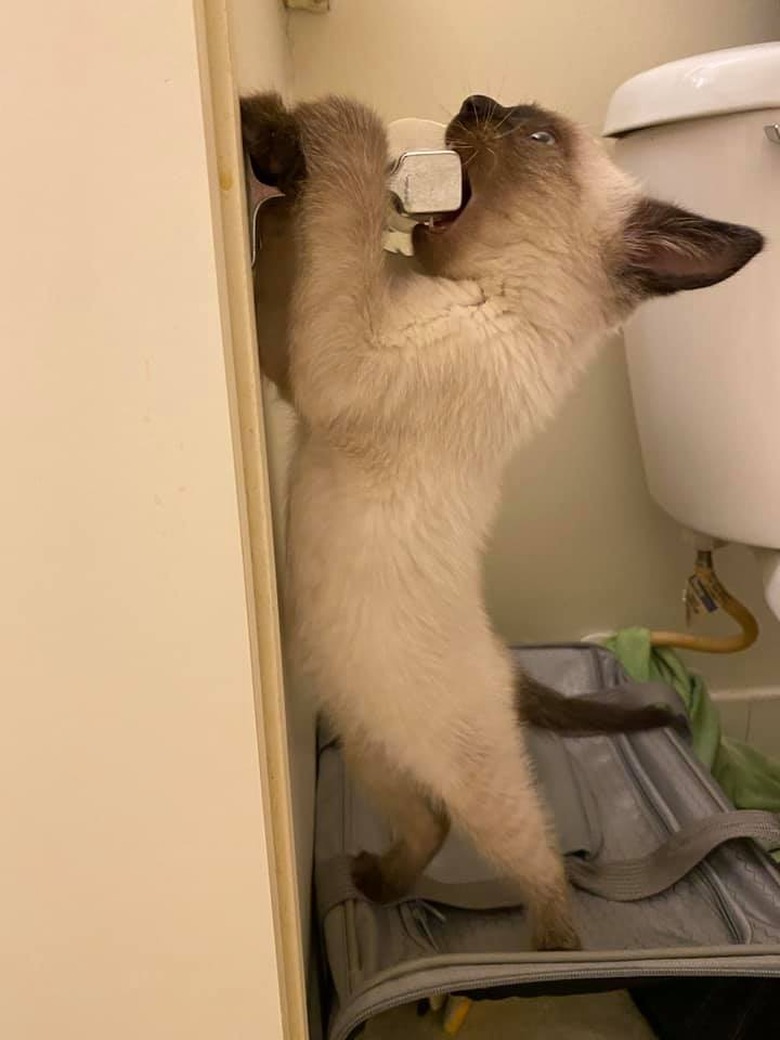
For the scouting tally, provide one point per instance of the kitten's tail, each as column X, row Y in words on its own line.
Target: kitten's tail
column 545, row 708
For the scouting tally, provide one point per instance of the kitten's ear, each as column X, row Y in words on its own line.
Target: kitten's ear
column 669, row 249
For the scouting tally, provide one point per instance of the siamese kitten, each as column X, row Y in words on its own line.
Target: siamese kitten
column 414, row 386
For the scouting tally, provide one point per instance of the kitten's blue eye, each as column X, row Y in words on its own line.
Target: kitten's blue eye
column 543, row 137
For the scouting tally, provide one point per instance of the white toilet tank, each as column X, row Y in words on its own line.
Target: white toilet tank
column 705, row 365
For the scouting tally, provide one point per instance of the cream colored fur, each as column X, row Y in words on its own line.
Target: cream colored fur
column 414, row 387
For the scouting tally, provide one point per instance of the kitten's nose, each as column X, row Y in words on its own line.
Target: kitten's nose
column 478, row 106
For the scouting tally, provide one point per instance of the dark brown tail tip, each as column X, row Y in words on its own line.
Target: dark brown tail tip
column 547, row 709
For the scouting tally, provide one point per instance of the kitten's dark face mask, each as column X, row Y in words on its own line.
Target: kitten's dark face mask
column 504, row 147
column 504, row 152
column 540, row 191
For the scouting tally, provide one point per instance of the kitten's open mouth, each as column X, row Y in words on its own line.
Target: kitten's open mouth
column 445, row 220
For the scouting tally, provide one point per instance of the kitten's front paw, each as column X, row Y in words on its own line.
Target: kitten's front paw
column 272, row 140
column 338, row 133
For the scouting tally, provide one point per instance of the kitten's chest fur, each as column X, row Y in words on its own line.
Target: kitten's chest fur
column 400, row 507
column 504, row 372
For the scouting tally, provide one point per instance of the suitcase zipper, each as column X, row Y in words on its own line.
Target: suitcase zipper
column 631, row 762
column 653, row 801
column 567, row 972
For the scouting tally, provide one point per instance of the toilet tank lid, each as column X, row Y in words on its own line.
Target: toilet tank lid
column 739, row 79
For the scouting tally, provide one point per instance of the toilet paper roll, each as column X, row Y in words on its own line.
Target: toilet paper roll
column 407, row 135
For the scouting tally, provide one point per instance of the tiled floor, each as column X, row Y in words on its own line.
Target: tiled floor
column 602, row 1016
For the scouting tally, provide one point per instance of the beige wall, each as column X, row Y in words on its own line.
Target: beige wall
column 135, row 893
column 579, row 546
column 261, row 52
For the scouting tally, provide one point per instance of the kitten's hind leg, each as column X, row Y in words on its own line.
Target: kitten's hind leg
column 494, row 799
column 418, row 826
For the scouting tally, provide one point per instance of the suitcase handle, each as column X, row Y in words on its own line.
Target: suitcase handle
column 623, row 881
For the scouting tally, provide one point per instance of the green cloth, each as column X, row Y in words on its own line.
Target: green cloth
column 750, row 779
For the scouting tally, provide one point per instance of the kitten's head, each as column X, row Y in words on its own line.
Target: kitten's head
column 544, row 206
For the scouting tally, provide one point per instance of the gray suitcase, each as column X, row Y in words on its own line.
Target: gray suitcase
column 669, row 882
